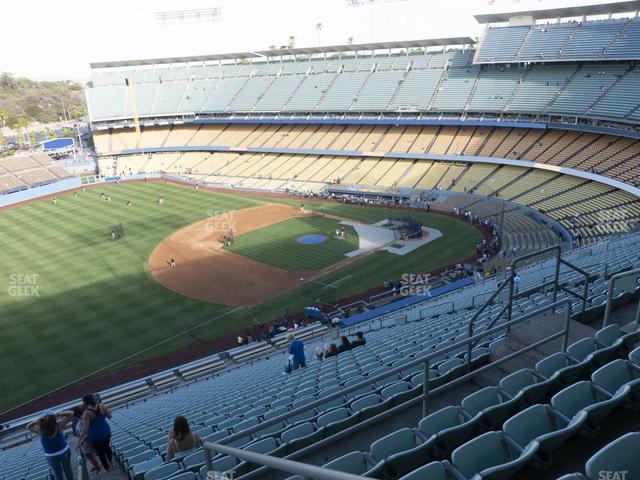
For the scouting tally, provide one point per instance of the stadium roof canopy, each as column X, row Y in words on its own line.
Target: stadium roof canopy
column 433, row 42
column 563, row 12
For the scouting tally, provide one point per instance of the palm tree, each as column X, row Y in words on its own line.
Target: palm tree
column 292, row 41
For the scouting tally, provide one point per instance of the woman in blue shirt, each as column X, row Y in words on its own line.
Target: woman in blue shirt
column 296, row 352
column 55, row 447
column 96, row 430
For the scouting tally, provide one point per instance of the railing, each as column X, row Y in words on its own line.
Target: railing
column 513, row 289
column 222, row 447
column 83, row 471
column 609, row 307
column 285, row 465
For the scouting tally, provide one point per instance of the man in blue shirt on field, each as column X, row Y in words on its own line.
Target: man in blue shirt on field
column 296, row 352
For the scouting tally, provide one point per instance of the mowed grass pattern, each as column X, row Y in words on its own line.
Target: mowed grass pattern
column 97, row 305
column 277, row 244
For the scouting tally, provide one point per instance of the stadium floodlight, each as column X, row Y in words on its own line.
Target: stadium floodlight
column 200, row 15
column 362, row 3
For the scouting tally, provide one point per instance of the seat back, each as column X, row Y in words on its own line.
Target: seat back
column 432, row 471
column 613, row 375
column 353, row 462
column 582, row 349
column 516, row 381
column 480, row 453
column 573, row 398
column 368, row 401
column 608, row 335
column 446, row 417
column 298, row 431
column 332, row 416
column 395, row 442
column 478, row 401
column 620, row 455
column 551, row 364
column 265, row 446
column 529, row 424
column 634, row 357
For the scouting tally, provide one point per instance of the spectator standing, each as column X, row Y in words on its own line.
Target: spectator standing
column 87, row 448
column 56, row 449
column 296, row 352
column 96, row 430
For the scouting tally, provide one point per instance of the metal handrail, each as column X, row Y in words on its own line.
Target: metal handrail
column 424, row 359
column 424, row 398
column 609, row 307
column 83, row 471
column 282, row 464
column 509, row 281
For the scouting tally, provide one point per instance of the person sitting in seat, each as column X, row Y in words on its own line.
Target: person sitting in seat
column 345, row 346
column 181, row 439
column 359, row 341
column 330, row 350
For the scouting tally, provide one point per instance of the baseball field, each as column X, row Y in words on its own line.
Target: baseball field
column 74, row 301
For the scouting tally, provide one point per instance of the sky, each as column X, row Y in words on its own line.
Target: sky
column 57, row 40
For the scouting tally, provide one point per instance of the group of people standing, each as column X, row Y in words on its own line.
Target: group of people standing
column 89, row 425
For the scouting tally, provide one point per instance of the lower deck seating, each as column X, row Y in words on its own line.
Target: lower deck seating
column 588, row 209
column 609, row 155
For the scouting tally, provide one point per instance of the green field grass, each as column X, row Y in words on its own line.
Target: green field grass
column 277, row 244
column 96, row 307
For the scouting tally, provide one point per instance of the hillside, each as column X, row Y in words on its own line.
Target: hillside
column 24, row 101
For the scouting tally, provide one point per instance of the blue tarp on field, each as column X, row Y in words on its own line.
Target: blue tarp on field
column 405, row 302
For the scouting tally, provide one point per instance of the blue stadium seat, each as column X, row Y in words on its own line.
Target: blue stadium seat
column 585, row 396
column 541, row 424
column 494, row 406
column 527, row 385
column 491, row 456
column 620, row 455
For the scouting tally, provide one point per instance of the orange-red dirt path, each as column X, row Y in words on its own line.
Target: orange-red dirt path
column 206, row 271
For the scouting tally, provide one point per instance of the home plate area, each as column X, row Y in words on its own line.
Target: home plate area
column 381, row 236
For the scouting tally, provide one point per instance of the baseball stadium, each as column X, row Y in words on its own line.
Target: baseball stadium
column 413, row 259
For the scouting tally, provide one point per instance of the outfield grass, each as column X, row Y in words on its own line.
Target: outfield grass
column 96, row 305
column 277, row 244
